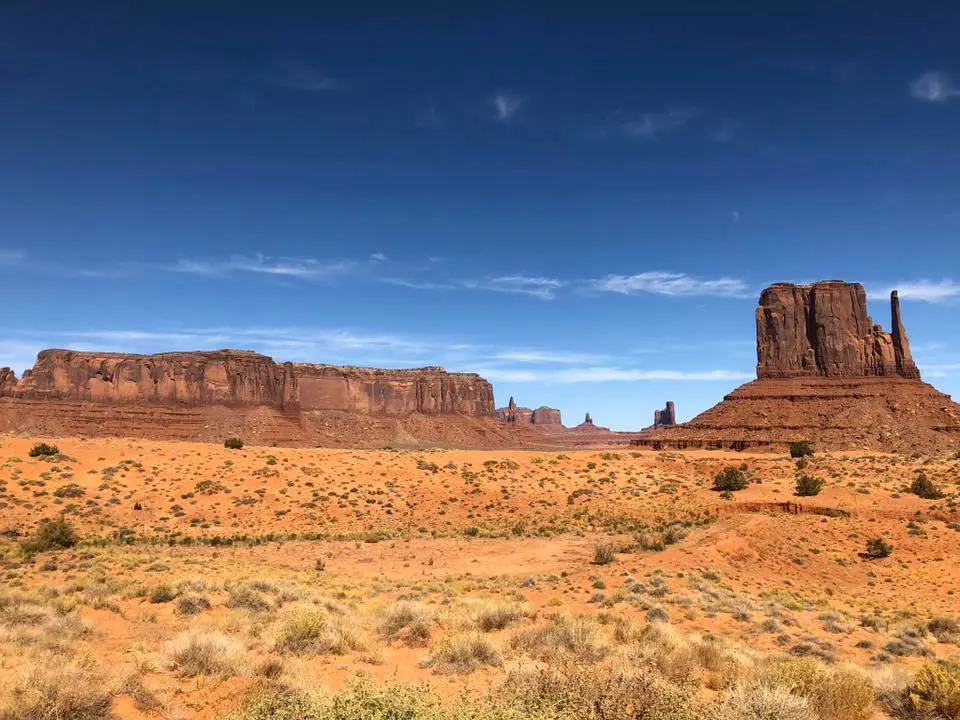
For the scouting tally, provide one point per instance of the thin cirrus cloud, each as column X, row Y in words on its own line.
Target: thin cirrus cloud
column 295, row 75
column 505, row 105
column 649, row 125
column 931, row 291
column 11, row 257
column 538, row 287
column 308, row 268
column 934, row 86
column 608, row 374
column 672, row 284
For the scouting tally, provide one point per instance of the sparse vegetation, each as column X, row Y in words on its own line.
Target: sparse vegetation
column 801, row 449
column 878, row 548
column 808, row 486
column 233, row 443
column 43, row 450
column 730, row 480
column 56, row 534
column 925, row 488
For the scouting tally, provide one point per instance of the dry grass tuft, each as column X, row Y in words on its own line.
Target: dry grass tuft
column 57, row 690
column 205, row 653
column 463, row 653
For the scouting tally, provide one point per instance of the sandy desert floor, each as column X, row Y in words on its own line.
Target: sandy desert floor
column 216, row 583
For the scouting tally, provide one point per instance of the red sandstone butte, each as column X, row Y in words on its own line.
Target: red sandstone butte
column 826, row 373
column 243, row 378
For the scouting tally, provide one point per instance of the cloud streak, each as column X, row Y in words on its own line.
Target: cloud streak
column 672, row 284
column 308, row 268
column 649, row 125
column 931, row 291
column 934, row 86
column 538, row 287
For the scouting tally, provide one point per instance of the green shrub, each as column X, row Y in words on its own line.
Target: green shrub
column 801, row 448
column 44, row 450
column 925, row 488
column 55, row 534
column 808, row 486
column 233, row 443
column 730, row 479
column 878, row 548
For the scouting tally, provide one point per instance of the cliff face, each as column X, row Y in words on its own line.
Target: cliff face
column 823, row 330
column 543, row 415
column 234, row 377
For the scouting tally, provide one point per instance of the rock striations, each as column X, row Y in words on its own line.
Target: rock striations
column 542, row 416
column 201, row 395
column 827, row 373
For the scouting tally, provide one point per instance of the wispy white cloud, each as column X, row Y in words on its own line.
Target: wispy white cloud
column 932, row 291
column 298, row 76
column 287, row 267
column 11, row 257
column 934, row 86
column 651, row 124
column 609, row 374
column 378, row 258
column 539, row 287
column 418, row 284
column 538, row 357
column 505, row 106
column 672, row 284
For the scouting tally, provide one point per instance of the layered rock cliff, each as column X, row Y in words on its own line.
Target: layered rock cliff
column 823, row 330
column 242, row 378
column 542, row 415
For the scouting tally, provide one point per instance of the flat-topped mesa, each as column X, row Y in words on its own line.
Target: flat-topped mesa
column 239, row 377
column 823, row 330
column 543, row 415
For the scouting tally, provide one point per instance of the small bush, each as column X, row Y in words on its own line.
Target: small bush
column 496, row 616
column 464, row 653
column 57, row 534
column 575, row 634
column 808, row 486
column 729, row 480
column 878, row 548
column 199, row 653
column 945, row 629
column 58, row 691
column 233, row 443
column 604, row 554
column 247, row 596
column 412, row 623
column 192, row 604
column 934, row 693
column 311, row 632
column 801, row 448
column 763, row 701
column 925, row 488
column 41, row 450
column 162, row 594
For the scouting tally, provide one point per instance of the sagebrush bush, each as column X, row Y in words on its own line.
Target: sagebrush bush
column 801, row 448
column 410, row 622
column 575, row 634
column 307, row 631
column 233, row 443
column 878, row 548
column 58, row 690
column 205, row 653
column 808, row 486
column 41, row 449
column 934, row 693
column 945, row 629
column 464, row 653
column 730, row 480
column 57, row 534
column 192, row 604
column 925, row 488
column 604, row 554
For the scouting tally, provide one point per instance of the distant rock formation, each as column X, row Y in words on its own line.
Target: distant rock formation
column 825, row 373
column 541, row 416
column 667, row 416
column 587, row 420
column 243, row 378
column 823, row 330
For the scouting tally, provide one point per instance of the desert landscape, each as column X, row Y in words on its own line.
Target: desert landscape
column 737, row 567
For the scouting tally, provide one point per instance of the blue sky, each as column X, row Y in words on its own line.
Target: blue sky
column 582, row 205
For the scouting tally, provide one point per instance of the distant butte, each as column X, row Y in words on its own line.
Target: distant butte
column 826, row 373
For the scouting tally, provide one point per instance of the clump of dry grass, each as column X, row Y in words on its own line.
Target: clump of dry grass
column 205, row 653
column 578, row 635
column 763, row 701
column 58, row 690
column 571, row 689
column 491, row 615
column 410, row 622
column 839, row 693
column 463, row 653
column 308, row 631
